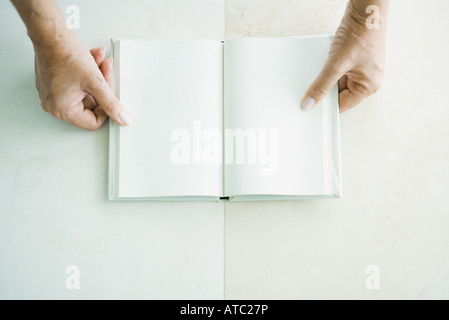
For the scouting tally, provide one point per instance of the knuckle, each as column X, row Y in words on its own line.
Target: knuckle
column 318, row 89
column 375, row 83
column 338, row 68
column 337, row 64
column 95, row 81
column 109, row 106
column 43, row 106
column 94, row 127
column 58, row 111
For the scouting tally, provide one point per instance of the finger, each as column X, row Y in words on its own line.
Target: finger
column 106, row 70
column 85, row 118
column 322, row 85
column 352, row 95
column 98, row 54
column 107, row 100
column 100, row 114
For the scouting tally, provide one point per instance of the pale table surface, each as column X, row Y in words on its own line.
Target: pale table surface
column 395, row 156
column 54, row 210
column 395, row 152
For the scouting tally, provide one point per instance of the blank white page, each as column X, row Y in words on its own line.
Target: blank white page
column 265, row 80
column 168, row 85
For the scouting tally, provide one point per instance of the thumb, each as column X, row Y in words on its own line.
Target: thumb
column 322, row 85
column 107, row 100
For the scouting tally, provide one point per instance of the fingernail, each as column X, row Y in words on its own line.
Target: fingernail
column 125, row 118
column 308, row 103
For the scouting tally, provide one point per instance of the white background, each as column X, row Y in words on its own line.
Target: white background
column 395, row 152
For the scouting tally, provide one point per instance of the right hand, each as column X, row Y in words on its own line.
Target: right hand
column 356, row 59
column 74, row 84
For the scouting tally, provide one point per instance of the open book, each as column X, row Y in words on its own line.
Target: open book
column 214, row 120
